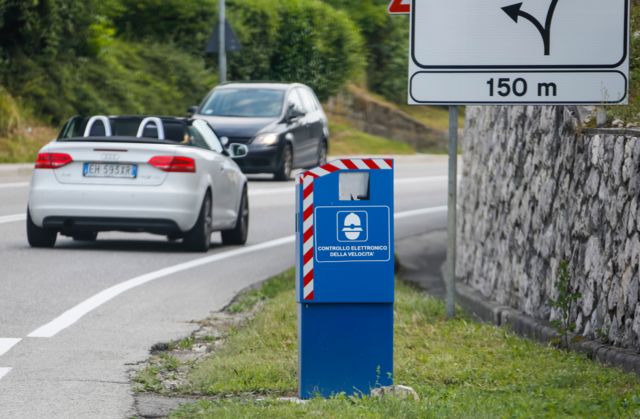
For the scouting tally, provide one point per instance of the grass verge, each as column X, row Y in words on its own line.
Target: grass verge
column 459, row 368
column 348, row 140
column 436, row 117
column 21, row 135
column 23, row 146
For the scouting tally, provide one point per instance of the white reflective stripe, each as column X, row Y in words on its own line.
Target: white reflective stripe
column 340, row 165
column 360, row 164
column 308, row 289
column 321, row 172
column 382, row 164
column 308, row 180
column 307, row 202
column 307, row 268
column 3, row 372
column 308, row 223
column 307, row 245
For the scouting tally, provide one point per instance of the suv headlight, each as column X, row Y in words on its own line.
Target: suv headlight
column 266, row 139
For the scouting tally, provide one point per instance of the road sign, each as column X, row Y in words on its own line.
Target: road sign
column 345, row 277
column 529, row 52
column 400, row 7
column 230, row 40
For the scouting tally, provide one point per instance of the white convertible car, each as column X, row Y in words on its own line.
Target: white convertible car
column 161, row 175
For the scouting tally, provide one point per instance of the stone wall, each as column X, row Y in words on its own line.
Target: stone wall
column 538, row 189
column 376, row 117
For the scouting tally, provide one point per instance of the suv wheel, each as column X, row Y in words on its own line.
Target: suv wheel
column 286, row 164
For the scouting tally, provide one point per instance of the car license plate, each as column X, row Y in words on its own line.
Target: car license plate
column 129, row 171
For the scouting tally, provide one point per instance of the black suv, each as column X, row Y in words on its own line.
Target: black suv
column 283, row 125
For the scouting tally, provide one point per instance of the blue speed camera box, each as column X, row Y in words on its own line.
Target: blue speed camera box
column 345, row 277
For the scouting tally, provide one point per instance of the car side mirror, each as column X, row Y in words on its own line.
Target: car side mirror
column 224, row 141
column 238, row 151
column 293, row 113
column 192, row 110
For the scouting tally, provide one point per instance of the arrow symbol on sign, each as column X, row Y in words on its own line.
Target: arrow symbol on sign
column 515, row 11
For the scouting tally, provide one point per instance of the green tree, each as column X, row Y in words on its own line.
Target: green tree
column 386, row 45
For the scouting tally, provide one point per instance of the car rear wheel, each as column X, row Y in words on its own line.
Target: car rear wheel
column 38, row 236
column 89, row 236
column 286, row 164
column 238, row 236
column 198, row 239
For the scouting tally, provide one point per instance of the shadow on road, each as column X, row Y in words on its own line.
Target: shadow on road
column 119, row 245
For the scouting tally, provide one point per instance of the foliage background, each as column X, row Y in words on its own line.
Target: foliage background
column 63, row 57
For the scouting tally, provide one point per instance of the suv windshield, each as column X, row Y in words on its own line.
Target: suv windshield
column 247, row 103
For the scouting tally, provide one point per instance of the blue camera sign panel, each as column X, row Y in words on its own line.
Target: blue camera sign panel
column 345, row 284
column 358, row 234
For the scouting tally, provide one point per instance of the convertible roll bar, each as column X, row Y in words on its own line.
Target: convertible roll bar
column 98, row 118
column 151, row 120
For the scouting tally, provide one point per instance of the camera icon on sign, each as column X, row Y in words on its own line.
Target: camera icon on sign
column 352, row 226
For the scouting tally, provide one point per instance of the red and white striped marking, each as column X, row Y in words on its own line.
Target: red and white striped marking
column 307, row 179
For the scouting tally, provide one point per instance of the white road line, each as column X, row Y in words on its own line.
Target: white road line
column 3, row 372
column 263, row 192
column 74, row 314
column 421, row 179
column 7, row 343
column 423, row 211
column 14, row 185
column 12, row 218
column 260, row 192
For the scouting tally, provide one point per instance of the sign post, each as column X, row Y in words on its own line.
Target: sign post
column 490, row 52
column 450, row 280
column 345, row 277
column 222, row 50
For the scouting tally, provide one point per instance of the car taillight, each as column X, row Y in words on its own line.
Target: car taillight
column 52, row 160
column 174, row 164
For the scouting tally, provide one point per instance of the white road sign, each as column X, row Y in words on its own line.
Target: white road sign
column 529, row 51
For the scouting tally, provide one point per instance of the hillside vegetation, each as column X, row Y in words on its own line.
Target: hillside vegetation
column 631, row 113
column 65, row 57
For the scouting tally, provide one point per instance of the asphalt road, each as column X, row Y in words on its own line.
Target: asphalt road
column 74, row 320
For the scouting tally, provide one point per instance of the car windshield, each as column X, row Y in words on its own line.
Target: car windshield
column 247, row 103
